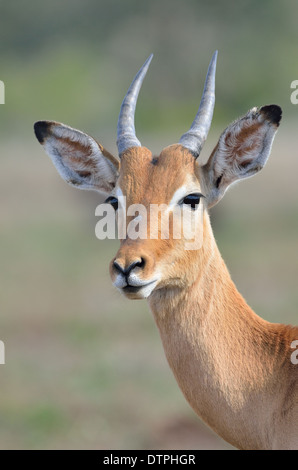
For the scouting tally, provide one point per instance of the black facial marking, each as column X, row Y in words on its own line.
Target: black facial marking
column 84, row 174
column 41, row 129
column 218, row 181
column 272, row 112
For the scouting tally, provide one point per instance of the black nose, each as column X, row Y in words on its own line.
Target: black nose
column 140, row 263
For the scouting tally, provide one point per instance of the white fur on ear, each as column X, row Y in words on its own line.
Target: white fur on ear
column 79, row 159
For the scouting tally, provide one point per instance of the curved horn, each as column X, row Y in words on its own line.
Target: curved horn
column 194, row 138
column 126, row 134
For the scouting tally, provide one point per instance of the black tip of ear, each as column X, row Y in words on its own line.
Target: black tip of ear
column 41, row 129
column 272, row 113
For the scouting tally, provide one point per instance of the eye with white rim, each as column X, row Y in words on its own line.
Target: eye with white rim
column 113, row 201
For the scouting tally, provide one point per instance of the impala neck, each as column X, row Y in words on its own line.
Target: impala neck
column 222, row 354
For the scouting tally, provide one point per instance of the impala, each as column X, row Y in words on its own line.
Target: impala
column 233, row 367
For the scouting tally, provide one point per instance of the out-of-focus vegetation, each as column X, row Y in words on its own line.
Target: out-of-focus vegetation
column 73, row 60
column 84, row 367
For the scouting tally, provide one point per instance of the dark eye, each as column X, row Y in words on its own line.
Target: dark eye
column 192, row 200
column 113, row 201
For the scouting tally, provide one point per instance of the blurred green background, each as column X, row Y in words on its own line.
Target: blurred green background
column 84, row 366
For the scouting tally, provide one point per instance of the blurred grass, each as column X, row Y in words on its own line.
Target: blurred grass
column 74, row 64
column 85, row 367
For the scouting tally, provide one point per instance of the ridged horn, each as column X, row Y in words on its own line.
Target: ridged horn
column 126, row 134
column 194, row 139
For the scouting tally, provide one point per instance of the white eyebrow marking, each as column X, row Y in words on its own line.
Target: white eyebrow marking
column 118, row 192
column 121, row 198
column 187, row 188
column 178, row 194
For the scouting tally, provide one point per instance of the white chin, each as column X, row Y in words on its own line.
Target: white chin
column 141, row 292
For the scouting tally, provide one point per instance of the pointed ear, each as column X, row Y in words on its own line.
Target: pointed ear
column 242, row 150
column 79, row 159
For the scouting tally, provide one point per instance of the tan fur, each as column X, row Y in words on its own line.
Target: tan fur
column 233, row 367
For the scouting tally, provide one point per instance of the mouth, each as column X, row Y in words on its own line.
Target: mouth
column 139, row 292
column 132, row 289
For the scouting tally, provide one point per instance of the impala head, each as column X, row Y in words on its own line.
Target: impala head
column 175, row 179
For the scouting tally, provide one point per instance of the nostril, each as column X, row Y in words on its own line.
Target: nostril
column 125, row 270
column 140, row 263
column 118, row 267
